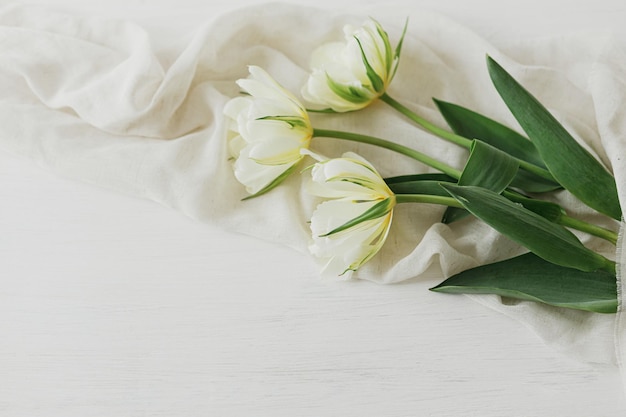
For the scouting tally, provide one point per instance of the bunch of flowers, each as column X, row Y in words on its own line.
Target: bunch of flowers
column 271, row 133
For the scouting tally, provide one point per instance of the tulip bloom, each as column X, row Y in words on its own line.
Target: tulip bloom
column 349, row 76
column 351, row 227
column 268, row 129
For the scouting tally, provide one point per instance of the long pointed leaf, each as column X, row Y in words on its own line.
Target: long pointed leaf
column 573, row 167
column 532, row 183
column 547, row 240
column 546, row 209
column 419, row 184
column 429, row 184
column 529, row 277
column 470, row 124
column 487, row 167
column 419, row 177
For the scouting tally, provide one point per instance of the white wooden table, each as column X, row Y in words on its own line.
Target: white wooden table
column 116, row 306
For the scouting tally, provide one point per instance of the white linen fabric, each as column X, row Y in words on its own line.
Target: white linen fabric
column 102, row 101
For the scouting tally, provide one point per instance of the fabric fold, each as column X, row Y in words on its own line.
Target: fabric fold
column 98, row 101
column 608, row 81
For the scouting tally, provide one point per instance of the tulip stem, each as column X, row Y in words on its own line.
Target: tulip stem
column 427, row 199
column 430, row 127
column 454, row 138
column 412, row 153
column 589, row 228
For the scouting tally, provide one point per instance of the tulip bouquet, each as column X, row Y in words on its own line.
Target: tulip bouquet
column 505, row 176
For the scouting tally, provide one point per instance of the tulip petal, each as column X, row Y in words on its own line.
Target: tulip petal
column 349, row 250
column 256, row 176
column 352, row 227
column 349, row 76
column 331, row 214
column 380, row 209
column 267, row 132
column 276, row 151
column 235, row 145
column 348, row 176
column 236, row 106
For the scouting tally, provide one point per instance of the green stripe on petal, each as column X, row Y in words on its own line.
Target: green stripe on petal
column 378, row 210
column 281, row 159
column 385, row 38
column 378, row 239
column 396, row 57
column 352, row 158
column 378, row 84
column 357, row 95
column 274, row 183
column 359, row 181
column 293, row 121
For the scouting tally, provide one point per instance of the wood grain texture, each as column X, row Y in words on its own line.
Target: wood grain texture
column 111, row 305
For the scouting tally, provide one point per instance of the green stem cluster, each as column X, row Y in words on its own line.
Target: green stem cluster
column 453, row 137
column 442, row 133
column 563, row 220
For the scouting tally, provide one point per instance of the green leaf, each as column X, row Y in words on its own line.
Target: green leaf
column 532, row 183
column 470, row 124
column 548, row 240
column 546, row 209
column 572, row 166
column 529, row 277
column 429, row 184
column 419, row 187
column 419, row 184
column 486, row 167
column 419, row 177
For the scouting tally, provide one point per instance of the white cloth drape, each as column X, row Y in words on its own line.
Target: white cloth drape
column 101, row 101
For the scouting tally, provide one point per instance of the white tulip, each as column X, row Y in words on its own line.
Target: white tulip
column 349, row 76
column 268, row 129
column 349, row 229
